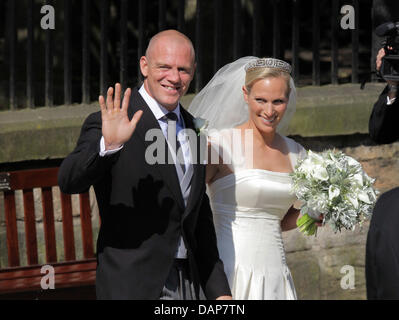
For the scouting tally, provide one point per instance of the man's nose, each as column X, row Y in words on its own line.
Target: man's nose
column 174, row 75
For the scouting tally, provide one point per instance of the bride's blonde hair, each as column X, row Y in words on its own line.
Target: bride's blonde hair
column 254, row 74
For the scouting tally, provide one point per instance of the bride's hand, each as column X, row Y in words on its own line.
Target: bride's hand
column 320, row 222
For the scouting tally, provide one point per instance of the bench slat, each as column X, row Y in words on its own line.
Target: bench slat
column 67, row 227
column 30, row 227
column 67, row 274
column 12, row 230
column 48, row 223
column 36, row 178
column 87, row 234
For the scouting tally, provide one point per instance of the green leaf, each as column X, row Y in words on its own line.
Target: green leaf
column 307, row 225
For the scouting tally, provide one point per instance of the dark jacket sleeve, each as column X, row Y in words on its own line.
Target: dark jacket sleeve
column 371, row 267
column 382, row 263
column 84, row 167
column 383, row 122
column 382, row 248
column 211, row 270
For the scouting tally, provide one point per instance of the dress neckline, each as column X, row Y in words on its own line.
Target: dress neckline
column 270, row 172
column 288, row 147
column 266, row 171
column 242, row 171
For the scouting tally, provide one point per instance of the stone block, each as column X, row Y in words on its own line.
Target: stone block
column 331, row 263
column 318, row 273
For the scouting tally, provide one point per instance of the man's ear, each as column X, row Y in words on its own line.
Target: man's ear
column 144, row 66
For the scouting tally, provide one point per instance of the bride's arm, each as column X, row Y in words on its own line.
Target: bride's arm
column 289, row 220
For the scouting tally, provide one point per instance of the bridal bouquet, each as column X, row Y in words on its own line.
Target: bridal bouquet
column 335, row 185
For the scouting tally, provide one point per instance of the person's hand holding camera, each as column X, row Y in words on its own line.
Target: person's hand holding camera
column 392, row 85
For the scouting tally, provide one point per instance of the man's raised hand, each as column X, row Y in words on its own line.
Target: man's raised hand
column 116, row 126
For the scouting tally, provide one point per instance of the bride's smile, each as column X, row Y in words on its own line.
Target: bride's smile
column 267, row 100
column 269, row 121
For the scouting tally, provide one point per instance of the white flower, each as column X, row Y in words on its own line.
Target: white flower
column 333, row 192
column 306, row 166
column 353, row 200
column 200, row 125
column 358, row 179
column 363, row 196
column 352, row 162
column 320, row 173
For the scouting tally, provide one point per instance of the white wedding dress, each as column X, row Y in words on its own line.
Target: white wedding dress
column 248, row 206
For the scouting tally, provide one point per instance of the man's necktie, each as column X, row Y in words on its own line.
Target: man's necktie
column 172, row 121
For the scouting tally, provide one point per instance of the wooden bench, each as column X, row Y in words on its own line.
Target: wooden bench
column 70, row 273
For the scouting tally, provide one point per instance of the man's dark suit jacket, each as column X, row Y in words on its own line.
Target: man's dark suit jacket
column 143, row 214
column 384, row 120
column 382, row 248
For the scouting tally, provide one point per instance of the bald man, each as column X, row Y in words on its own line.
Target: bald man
column 157, row 238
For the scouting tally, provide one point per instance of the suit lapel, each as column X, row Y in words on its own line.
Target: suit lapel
column 147, row 122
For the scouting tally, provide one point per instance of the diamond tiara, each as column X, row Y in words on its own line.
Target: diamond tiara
column 269, row 63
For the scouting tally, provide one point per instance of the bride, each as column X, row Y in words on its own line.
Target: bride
column 249, row 183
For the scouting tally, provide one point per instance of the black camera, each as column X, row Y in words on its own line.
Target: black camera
column 390, row 62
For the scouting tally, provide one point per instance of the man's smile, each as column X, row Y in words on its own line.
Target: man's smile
column 170, row 88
